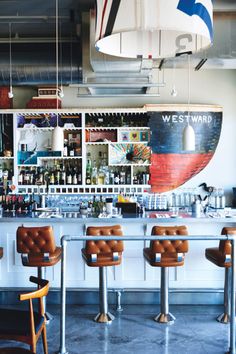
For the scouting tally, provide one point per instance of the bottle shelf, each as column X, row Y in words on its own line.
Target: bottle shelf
column 83, row 189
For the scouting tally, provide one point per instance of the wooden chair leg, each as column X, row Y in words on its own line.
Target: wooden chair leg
column 33, row 347
column 45, row 344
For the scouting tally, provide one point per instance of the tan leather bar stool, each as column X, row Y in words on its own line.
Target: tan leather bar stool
column 38, row 249
column 1, row 252
column 221, row 256
column 103, row 254
column 166, row 254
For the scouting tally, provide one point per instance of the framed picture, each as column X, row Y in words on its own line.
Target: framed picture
column 124, row 136
column 144, row 136
column 134, row 136
column 129, row 154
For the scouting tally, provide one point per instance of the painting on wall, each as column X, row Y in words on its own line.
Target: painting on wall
column 129, row 154
column 171, row 166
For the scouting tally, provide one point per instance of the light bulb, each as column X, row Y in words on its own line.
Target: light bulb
column 174, row 92
column 10, row 93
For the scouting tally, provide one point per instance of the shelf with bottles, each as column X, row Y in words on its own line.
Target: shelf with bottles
column 52, row 172
column 72, row 143
column 112, row 119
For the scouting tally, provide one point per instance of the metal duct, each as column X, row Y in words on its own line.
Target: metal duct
column 35, row 64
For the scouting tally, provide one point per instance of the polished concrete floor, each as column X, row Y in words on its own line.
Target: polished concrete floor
column 195, row 331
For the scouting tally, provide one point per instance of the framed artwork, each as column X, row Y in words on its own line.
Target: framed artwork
column 124, row 136
column 129, row 154
column 134, row 136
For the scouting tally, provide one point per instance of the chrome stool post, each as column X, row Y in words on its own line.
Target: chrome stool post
column 42, row 275
column 164, row 316
column 103, row 316
column 225, row 316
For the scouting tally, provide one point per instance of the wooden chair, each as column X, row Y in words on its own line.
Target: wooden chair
column 26, row 326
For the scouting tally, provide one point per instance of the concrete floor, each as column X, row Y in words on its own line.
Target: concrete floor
column 195, row 331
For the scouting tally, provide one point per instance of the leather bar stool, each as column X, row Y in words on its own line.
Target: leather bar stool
column 38, row 249
column 221, row 256
column 165, row 254
column 103, row 254
column 1, row 252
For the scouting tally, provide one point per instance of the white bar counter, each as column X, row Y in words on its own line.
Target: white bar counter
column 134, row 272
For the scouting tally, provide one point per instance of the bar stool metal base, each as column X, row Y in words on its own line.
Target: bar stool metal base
column 165, row 318
column 223, row 318
column 48, row 318
column 104, row 317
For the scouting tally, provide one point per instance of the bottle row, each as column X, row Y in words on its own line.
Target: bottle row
column 52, row 173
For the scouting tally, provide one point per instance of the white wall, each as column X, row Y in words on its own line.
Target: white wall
column 207, row 87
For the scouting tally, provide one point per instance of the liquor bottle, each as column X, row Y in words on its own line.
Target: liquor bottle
column 62, row 175
column 116, row 177
column 68, row 176
column 65, row 150
column 74, row 176
column 21, row 177
column 122, row 175
column 101, row 176
column 128, row 176
column 94, row 173
column 111, row 177
column 89, row 170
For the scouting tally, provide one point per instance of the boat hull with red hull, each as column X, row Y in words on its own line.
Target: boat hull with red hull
column 171, row 166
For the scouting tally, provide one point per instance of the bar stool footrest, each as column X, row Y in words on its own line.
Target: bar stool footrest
column 165, row 318
column 104, row 317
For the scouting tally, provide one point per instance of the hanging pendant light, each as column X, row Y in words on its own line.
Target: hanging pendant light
column 153, row 28
column 58, row 132
column 188, row 132
column 173, row 91
column 10, row 93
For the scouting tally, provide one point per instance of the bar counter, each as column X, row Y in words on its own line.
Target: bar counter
column 133, row 273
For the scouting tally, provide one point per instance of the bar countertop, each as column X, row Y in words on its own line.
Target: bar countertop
column 149, row 217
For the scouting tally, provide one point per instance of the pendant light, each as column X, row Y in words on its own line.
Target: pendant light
column 10, row 93
column 61, row 92
column 58, row 132
column 173, row 92
column 188, row 132
column 153, row 28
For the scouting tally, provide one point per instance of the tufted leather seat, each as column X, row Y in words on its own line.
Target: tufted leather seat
column 165, row 254
column 101, row 254
column 38, row 249
column 35, row 242
column 104, row 250
column 221, row 256
column 167, row 249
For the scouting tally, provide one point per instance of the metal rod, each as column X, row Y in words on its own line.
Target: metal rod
column 68, row 238
column 103, row 289
column 62, row 349
column 232, row 317
column 164, row 290
column 148, row 237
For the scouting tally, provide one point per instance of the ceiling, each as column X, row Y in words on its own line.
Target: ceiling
column 32, row 26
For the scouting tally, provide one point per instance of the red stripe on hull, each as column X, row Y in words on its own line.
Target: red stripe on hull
column 169, row 171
